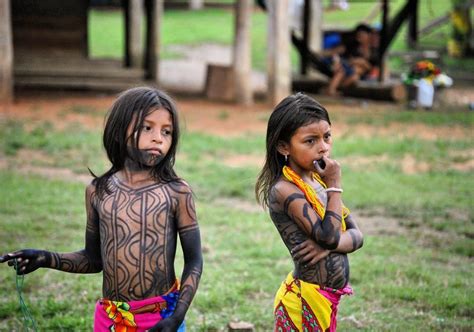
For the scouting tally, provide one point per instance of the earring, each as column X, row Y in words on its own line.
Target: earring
column 286, row 159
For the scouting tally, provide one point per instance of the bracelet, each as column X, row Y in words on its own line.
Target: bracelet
column 334, row 190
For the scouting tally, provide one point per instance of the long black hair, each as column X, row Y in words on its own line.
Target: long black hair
column 290, row 114
column 132, row 107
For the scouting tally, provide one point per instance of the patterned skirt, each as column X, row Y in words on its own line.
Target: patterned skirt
column 305, row 307
column 135, row 316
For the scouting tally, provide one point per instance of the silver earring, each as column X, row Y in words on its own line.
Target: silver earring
column 286, row 159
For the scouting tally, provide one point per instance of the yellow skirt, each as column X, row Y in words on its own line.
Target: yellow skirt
column 302, row 306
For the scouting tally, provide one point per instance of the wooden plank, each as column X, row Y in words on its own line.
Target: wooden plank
column 92, row 72
column 76, row 73
column 389, row 91
column 430, row 26
column 50, row 24
column 58, row 8
column 102, row 84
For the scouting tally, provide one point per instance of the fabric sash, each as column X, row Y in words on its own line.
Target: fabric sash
column 135, row 316
column 302, row 306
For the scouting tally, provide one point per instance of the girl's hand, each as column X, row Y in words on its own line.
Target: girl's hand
column 331, row 173
column 169, row 324
column 27, row 260
column 308, row 253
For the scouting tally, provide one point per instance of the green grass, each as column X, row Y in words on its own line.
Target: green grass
column 416, row 278
column 433, row 119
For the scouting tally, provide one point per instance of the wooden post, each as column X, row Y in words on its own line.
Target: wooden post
column 6, row 54
column 278, row 51
column 412, row 31
column 383, row 39
column 312, row 31
column 315, row 36
column 133, row 38
column 196, row 4
column 154, row 10
column 242, row 62
column 305, row 36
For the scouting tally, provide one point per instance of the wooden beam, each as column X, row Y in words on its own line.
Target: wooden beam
column 392, row 28
column 315, row 37
column 312, row 31
column 133, row 38
column 434, row 24
column 6, row 54
column 242, row 61
column 412, row 31
column 304, row 64
column 154, row 10
column 278, row 51
column 389, row 91
column 383, row 38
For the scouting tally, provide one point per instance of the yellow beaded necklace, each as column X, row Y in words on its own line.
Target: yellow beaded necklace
column 310, row 193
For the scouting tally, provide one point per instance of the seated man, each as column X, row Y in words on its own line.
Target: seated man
column 343, row 72
column 361, row 53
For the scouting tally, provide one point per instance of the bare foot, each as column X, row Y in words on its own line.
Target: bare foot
column 332, row 93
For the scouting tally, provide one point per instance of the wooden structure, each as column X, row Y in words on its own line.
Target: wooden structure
column 278, row 46
column 49, row 40
column 45, row 44
column 50, row 43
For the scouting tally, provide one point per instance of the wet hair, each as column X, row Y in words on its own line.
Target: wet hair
column 131, row 108
column 291, row 113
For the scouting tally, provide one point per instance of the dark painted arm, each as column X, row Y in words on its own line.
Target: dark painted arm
column 190, row 238
column 87, row 260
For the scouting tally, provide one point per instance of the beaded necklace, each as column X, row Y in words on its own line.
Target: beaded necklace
column 310, row 193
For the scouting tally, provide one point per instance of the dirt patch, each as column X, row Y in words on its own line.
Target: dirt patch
column 378, row 224
column 243, row 160
column 399, row 130
column 223, row 119
column 198, row 115
column 410, row 165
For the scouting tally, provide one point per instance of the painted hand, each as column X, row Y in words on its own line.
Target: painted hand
column 331, row 173
column 169, row 324
column 308, row 253
column 27, row 260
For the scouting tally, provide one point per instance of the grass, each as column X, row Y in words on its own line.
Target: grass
column 414, row 275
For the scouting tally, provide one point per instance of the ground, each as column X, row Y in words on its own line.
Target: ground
column 224, row 119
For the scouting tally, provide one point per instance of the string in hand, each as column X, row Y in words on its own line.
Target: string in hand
column 28, row 320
